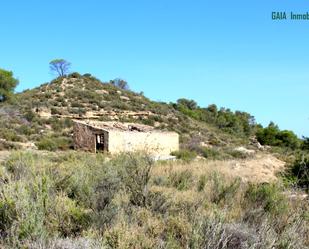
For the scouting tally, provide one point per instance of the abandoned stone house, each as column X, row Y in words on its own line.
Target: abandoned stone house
column 116, row 137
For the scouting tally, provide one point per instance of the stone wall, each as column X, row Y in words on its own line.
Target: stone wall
column 156, row 143
column 117, row 141
column 84, row 137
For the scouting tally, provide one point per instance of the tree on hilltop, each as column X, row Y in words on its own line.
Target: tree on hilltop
column 188, row 103
column 305, row 143
column 120, row 83
column 59, row 66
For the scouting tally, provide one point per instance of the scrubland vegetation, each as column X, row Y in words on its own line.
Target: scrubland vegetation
column 62, row 199
column 80, row 200
column 78, row 96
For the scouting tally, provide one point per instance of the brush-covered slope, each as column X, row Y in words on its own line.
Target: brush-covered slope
column 47, row 111
column 81, row 200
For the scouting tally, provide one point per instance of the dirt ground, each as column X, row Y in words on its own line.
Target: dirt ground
column 261, row 167
column 4, row 155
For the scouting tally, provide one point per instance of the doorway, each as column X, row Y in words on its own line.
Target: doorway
column 100, row 143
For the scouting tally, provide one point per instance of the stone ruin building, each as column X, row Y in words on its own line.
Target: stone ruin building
column 116, row 137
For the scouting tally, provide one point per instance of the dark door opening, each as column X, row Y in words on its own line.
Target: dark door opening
column 100, row 143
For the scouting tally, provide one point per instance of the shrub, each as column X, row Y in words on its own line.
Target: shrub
column 58, row 124
column 201, row 183
column 135, row 176
column 181, row 180
column 29, row 115
column 237, row 154
column 298, row 172
column 5, row 145
column 67, row 217
column 55, row 111
column 25, row 130
column 24, row 211
column 148, row 121
column 158, row 202
column 10, row 135
column 269, row 197
column 77, row 104
column 305, row 143
column 272, row 135
column 8, row 214
column 47, row 144
column 211, row 153
column 177, row 232
column 185, row 155
column 119, row 105
column 54, row 143
column 223, row 191
column 74, row 75
column 19, row 165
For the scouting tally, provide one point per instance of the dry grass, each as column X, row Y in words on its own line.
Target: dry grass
column 262, row 167
column 80, row 200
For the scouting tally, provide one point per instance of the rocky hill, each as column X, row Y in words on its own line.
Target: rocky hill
column 46, row 112
column 68, row 199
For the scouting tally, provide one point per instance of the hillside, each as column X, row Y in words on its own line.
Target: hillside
column 225, row 192
column 46, row 112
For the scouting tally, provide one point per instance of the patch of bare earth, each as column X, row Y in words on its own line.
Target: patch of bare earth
column 260, row 168
column 4, row 155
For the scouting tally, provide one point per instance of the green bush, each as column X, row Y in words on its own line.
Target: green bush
column 29, row 115
column 10, row 135
column 25, row 130
column 221, row 191
column 201, row 183
column 298, row 172
column 269, row 197
column 211, row 153
column 177, row 232
column 75, row 75
column 8, row 214
column 181, row 180
column 55, row 111
column 135, row 176
column 148, row 121
column 5, row 145
column 185, row 155
column 54, row 143
column 77, row 104
column 58, row 124
column 47, row 144
column 237, row 154
column 305, row 143
column 67, row 217
column 272, row 135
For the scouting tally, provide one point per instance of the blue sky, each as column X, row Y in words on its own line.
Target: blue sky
column 225, row 52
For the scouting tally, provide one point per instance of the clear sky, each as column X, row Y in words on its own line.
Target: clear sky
column 225, row 52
